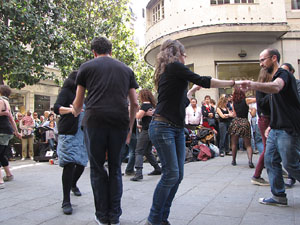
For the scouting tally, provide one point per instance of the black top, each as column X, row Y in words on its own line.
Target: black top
column 241, row 109
column 224, row 120
column 146, row 119
column 172, row 91
column 263, row 103
column 67, row 124
column 108, row 82
column 285, row 106
column 5, row 126
column 206, row 110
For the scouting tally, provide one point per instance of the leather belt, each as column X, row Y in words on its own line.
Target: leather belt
column 163, row 119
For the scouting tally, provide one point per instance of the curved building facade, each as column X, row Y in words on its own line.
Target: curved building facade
column 223, row 38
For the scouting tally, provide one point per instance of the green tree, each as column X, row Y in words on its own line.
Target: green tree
column 37, row 33
column 29, row 40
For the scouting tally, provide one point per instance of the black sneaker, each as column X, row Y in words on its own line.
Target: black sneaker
column 67, row 208
column 251, row 165
column 76, row 191
column 137, row 177
column 155, row 172
column 233, row 163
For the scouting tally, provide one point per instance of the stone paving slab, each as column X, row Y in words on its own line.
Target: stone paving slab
column 211, row 193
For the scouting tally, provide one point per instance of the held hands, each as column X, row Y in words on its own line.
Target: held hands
column 244, row 85
column 75, row 111
column 196, row 87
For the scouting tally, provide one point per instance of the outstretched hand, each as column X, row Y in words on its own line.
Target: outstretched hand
column 244, row 85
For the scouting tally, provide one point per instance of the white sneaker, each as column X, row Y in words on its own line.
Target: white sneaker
column 31, row 158
column 23, row 159
column 98, row 222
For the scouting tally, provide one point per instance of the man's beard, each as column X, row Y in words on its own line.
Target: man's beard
column 270, row 69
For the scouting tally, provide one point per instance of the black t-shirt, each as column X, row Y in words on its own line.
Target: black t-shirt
column 263, row 103
column 241, row 109
column 67, row 124
column 285, row 105
column 108, row 82
column 224, row 120
column 172, row 91
column 146, row 119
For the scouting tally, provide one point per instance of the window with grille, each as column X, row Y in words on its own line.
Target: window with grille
column 243, row 1
column 222, row 2
column 158, row 12
column 219, row 2
column 295, row 4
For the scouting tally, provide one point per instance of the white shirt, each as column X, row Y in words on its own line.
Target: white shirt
column 193, row 117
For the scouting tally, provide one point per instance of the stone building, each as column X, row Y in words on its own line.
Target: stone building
column 36, row 98
column 223, row 38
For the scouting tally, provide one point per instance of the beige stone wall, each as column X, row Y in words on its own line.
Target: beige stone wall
column 44, row 87
column 217, row 33
column 181, row 15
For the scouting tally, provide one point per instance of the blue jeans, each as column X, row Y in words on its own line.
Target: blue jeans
column 223, row 145
column 170, row 145
column 107, row 187
column 130, row 151
column 285, row 148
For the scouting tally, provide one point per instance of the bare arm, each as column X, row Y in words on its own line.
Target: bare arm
column 65, row 110
column 250, row 100
column 220, row 113
column 216, row 83
column 192, row 91
column 140, row 114
column 78, row 101
column 11, row 119
column 132, row 111
column 268, row 87
column 133, row 106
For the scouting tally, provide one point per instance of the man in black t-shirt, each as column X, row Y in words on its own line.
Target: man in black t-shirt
column 109, row 82
column 283, row 143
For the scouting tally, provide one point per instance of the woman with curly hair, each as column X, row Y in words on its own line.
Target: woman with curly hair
column 144, row 145
column 240, row 126
column 166, row 129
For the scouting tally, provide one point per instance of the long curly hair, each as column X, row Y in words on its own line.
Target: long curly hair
column 238, row 95
column 222, row 102
column 145, row 95
column 169, row 52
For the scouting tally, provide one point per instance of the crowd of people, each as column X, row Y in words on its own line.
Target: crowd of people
column 108, row 124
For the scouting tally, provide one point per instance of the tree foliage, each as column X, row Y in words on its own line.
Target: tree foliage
column 28, row 40
column 37, row 33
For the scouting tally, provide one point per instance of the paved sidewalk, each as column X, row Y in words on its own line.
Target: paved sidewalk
column 211, row 193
